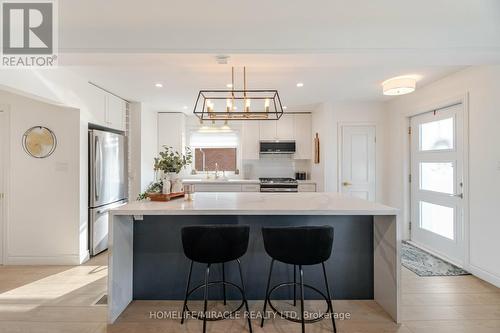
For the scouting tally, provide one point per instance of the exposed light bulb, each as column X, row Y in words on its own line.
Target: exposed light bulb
column 266, row 104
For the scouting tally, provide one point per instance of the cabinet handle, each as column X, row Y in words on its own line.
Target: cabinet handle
column 346, row 184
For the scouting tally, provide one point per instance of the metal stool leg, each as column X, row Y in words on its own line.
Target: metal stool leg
column 330, row 301
column 294, row 285
column 245, row 297
column 267, row 293
column 205, row 298
column 224, row 284
column 302, row 298
column 187, row 291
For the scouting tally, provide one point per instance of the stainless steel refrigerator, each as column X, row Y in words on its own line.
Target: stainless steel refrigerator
column 107, row 184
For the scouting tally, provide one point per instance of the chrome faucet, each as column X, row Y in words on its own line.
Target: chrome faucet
column 216, row 170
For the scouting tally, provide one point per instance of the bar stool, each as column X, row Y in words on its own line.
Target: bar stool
column 215, row 244
column 299, row 246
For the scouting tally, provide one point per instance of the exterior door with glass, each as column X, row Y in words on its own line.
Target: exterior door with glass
column 437, row 163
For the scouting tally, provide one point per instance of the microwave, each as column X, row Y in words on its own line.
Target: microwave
column 277, row 147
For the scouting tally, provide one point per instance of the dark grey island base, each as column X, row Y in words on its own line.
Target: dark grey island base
column 160, row 268
column 146, row 261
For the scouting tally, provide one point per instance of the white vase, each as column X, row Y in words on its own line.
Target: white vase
column 167, row 185
column 177, row 185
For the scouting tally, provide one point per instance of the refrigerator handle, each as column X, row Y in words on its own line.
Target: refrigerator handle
column 97, row 168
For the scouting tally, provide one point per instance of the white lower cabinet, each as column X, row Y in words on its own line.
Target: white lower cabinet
column 227, row 188
column 307, row 188
column 217, row 188
column 250, row 188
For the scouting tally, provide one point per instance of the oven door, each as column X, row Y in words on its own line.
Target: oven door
column 278, row 187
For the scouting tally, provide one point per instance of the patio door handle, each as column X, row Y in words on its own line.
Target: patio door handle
column 458, row 195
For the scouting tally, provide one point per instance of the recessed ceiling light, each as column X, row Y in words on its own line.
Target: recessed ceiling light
column 229, row 85
column 285, row 107
column 158, row 85
column 399, row 86
column 185, row 107
column 300, row 84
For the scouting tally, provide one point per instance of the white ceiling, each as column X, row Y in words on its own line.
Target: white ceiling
column 325, row 77
column 340, row 50
column 278, row 26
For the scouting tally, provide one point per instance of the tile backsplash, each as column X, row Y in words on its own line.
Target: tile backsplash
column 274, row 166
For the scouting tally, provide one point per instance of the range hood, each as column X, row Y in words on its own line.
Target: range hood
column 277, row 147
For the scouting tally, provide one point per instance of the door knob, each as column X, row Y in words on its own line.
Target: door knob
column 346, row 184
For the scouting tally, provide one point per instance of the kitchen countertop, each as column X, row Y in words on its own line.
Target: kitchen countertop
column 238, row 203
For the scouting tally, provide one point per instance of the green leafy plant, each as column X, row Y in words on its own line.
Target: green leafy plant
column 154, row 187
column 167, row 161
column 172, row 161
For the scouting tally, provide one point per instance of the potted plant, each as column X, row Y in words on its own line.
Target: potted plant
column 153, row 188
column 167, row 167
column 169, row 163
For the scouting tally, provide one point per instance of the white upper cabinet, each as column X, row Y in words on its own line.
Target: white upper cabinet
column 250, row 140
column 303, row 137
column 107, row 109
column 295, row 126
column 285, row 127
column 268, row 129
column 171, row 131
column 115, row 112
column 282, row 129
column 98, row 107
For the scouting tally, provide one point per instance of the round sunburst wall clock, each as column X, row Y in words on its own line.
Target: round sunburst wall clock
column 39, row 142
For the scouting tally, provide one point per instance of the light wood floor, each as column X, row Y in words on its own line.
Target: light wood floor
column 61, row 299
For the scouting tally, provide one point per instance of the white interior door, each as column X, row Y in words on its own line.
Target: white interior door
column 437, row 162
column 358, row 161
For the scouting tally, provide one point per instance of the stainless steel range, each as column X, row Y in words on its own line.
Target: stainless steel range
column 278, row 185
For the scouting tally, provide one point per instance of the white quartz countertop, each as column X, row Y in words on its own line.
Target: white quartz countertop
column 220, row 181
column 239, row 203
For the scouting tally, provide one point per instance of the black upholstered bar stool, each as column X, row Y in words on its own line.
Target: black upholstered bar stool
column 215, row 244
column 299, row 246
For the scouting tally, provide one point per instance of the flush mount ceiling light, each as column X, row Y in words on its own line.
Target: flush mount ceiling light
column 300, row 85
column 232, row 104
column 158, row 85
column 399, row 86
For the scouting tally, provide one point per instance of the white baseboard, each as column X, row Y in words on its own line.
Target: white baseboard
column 483, row 275
column 43, row 260
column 85, row 256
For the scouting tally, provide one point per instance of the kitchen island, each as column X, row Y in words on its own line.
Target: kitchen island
column 146, row 261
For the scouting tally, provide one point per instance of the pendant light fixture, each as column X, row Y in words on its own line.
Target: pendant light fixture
column 234, row 104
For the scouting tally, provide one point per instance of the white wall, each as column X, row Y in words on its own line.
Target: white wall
column 63, row 87
column 325, row 122
column 43, row 205
column 143, row 140
column 482, row 86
